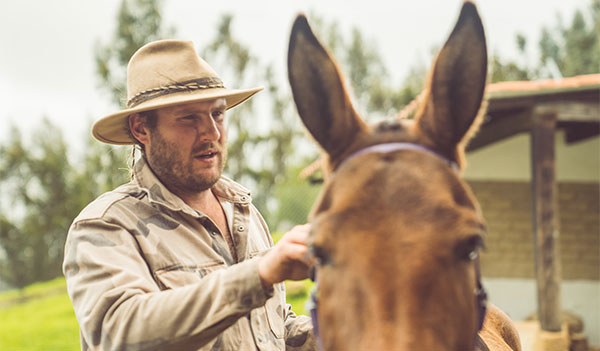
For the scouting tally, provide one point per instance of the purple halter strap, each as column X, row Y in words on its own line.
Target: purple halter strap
column 390, row 147
column 480, row 293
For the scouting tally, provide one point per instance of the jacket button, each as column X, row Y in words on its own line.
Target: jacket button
column 247, row 300
column 241, row 228
column 260, row 338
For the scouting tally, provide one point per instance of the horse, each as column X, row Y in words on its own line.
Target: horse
column 396, row 232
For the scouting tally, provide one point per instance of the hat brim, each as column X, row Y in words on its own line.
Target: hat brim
column 114, row 128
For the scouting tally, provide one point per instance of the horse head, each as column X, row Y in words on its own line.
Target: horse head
column 396, row 231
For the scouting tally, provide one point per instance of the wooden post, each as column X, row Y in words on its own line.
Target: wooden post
column 545, row 220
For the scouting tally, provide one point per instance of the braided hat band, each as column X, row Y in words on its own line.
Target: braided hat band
column 195, row 84
column 161, row 74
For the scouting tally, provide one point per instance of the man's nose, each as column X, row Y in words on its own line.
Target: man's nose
column 209, row 130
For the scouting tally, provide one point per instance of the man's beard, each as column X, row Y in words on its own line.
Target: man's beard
column 177, row 175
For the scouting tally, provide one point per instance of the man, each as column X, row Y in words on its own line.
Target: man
column 177, row 259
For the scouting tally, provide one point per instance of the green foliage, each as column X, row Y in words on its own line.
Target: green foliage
column 43, row 193
column 138, row 22
column 295, row 196
column 39, row 210
column 564, row 50
column 104, row 167
column 507, row 71
column 367, row 75
column 297, row 293
column 575, row 49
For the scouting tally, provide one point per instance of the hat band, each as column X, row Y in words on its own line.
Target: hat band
column 194, row 84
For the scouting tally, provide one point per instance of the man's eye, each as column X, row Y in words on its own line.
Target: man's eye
column 217, row 114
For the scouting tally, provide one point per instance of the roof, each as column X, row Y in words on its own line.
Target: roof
column 541, row 87
column 513, row 106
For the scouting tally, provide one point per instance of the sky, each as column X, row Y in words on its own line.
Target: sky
column 47, row 47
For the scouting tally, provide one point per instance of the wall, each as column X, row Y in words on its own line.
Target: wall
column 507, row 209
column 510, row 160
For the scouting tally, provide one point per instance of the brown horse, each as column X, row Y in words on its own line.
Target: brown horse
column 396, row 232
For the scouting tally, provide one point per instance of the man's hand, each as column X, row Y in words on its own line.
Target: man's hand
column 287, row 260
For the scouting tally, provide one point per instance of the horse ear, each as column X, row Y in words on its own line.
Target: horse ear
column 457, row 84
column 319, row 93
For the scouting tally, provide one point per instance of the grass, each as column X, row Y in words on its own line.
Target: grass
column 34, row 290
column 297, row 294
column 46, row 320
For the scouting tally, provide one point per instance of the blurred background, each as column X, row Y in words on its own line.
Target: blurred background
column 63, row 64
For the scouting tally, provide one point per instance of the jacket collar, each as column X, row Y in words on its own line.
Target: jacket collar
column 225, row 189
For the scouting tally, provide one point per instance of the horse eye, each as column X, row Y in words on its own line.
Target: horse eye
column 473, row 255
column 320, row 254
column 468, row 249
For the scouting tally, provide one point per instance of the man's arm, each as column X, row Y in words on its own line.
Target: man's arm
column 288, row 260
column 119, row 306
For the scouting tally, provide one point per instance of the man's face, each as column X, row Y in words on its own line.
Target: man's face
column 188, row 148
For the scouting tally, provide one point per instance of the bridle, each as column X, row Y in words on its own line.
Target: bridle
column 480, row 293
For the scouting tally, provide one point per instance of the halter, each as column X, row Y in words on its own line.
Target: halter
column 391, row 147
column 480, row 293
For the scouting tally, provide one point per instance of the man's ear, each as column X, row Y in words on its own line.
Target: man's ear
column 137, row 126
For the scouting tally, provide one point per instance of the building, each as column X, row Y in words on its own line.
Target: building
column 535, row 168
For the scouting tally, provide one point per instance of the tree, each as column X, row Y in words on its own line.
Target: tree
column 368, row 78
column 574, row 49
column 564, row 50
column 138, row 22
column 36, row 180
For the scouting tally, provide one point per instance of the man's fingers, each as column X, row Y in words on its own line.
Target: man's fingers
column 298, row 234
column 295, row 251
column 288, row 259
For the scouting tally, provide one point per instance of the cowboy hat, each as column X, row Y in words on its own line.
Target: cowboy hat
column 160, row 74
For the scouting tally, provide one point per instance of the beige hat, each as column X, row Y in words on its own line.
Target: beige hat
column 165, row 73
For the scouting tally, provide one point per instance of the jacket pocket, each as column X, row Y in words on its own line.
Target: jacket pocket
column 178, row 275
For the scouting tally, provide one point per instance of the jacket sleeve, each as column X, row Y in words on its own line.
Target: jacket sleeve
column 299, row 335
column 119, row 305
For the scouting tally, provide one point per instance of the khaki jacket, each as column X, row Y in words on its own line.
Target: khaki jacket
column 147, row 272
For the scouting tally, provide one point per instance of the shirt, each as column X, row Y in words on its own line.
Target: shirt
column 145, row 271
